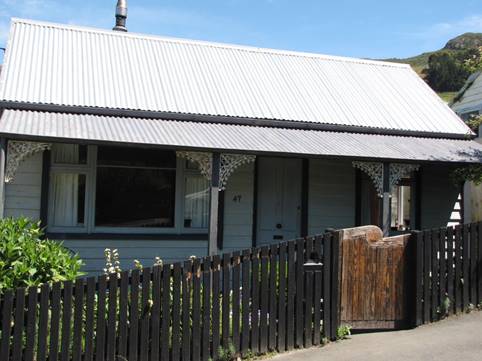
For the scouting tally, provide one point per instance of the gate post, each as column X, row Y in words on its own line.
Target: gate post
column 335, row 283
column 416, row 294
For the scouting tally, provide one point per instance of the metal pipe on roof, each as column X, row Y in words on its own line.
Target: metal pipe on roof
column 120, row 16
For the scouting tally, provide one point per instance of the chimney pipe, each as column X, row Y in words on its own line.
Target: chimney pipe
column 120, row 16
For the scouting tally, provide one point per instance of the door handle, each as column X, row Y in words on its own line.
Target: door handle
column 279, row 226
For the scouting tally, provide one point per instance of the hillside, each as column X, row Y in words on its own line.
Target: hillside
column 459, row 43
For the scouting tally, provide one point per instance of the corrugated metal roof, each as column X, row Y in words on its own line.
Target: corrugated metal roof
column 235, row 138
column 74, row 66
column 470, row 95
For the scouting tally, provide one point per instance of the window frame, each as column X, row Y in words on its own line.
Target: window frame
column 90, row 171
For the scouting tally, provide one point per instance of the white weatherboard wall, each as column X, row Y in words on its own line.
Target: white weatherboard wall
column 238, row 209
column 22, row 195
column 331, row 195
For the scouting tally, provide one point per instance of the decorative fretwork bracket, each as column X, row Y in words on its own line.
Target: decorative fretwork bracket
column 19, row 151
column 375, row 171
column 229, row 163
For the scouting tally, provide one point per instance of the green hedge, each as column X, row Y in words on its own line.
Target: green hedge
column 27, row 259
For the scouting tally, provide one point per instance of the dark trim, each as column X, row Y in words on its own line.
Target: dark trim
column 3, row 164
column 44, row 190
column 223, row 119
column 358, row 197
column 222, row 196
column 254, row 230
column 128, row 236
column 462, row 204
column 418, row 198
column 305, row 186
column 224, row 150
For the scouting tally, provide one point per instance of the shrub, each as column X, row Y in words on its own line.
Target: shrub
column 28, row 260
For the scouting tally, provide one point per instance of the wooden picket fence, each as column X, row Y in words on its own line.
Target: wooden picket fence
column 257, row 300
column 448, row 271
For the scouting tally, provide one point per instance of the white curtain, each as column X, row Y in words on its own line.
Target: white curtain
column 65, row 189
column 196, row 205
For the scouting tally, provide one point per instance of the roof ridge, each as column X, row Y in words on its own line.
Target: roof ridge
column 239, row 47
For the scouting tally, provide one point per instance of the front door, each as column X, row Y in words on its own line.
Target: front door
column 279, row 200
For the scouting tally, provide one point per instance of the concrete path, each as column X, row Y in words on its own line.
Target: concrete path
column 457, row 338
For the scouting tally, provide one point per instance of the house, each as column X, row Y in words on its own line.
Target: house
column 168, row 147
column 468, row 100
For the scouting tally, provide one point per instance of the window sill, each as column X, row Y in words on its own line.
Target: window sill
column 128, row 236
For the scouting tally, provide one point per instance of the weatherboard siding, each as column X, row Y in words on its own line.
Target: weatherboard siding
column 22, row 195
column 331, row 195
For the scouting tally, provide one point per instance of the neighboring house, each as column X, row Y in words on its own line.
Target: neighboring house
column 468, row 100
column 168, row 147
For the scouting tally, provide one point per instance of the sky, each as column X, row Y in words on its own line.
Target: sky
column 358, row 28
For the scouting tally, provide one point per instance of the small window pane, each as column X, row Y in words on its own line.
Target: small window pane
column 196, row 202
column 134, row 197
column 135, row 157
column 69, row 154
column 68, row 200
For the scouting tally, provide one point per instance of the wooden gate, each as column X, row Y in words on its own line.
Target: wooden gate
column 374, row 279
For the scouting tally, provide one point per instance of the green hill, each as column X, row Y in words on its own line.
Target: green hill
column 459, row 43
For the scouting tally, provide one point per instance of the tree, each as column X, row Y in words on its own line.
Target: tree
column 446, row 72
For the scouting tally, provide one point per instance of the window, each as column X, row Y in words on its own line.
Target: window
column 124, row 189
column 135, row 188
column 401, row 197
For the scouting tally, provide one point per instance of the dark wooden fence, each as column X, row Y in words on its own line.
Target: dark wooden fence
column 448, row 271
column 257, row 300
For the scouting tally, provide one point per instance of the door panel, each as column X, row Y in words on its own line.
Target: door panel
column 279, row 199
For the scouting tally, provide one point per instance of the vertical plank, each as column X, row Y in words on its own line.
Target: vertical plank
column 458, row 269
column 255, row 301
column 66, row 321
column 196, row 311
column 166, row 311
column 264, row 299
column 308, row 327
column 245, row 303
column 145, row 314
column 156, row 312
column 450, row 268
column 290, row 305
column 186, row 308
column 465, row 266
column 54, row 322
column 134, row 316
column 427, row 240
column 473, row 263
column 176, row 312
column 479, row 268
column 226, row 318
column 442, row 235
column 236, row 299
column 281, row 342
column 112, row 318
column 123, row 321
column 89, row 319
column 101, row 305
column 206, row 310
column 417, row 238
column 335, row 283
column 273, row 278
column 7, row 309
column 18, row 322
column 78, row 323
column 43, row 323
column 317, row 292
column 299, row 259
column 327, row 270
column 31, row 324
column 435, row 274
column 216, row 332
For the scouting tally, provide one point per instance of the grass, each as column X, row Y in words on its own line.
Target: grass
column 447, row 96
